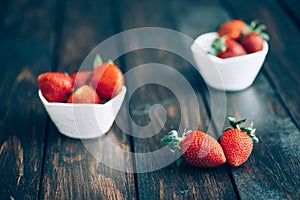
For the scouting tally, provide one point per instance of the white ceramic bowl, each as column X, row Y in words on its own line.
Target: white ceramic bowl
column 84, row 121
column 230, row 74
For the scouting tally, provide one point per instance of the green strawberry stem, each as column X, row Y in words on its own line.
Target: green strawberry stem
column 250, row 130
column 254, row 26
column 218, row 46
column 110, row 61
column 97, row 61
column 174, row 141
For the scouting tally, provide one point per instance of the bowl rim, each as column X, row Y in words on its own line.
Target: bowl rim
column 45, row 102
column 227, row 60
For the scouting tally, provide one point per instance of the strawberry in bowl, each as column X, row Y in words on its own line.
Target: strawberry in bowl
column 226, row 63
column 75, row 105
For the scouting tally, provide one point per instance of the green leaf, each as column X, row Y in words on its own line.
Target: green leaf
column 212, row 53
column 255, row 139
column 232, row 122
column 110, row 61
column 166, row 140
column 173, row 132
column 265, row 36
column 253, row 24
column 186, row 133
column 253, row 130
column 97, row 61
column 261, row 27
column 251, row 125
column 232, row 119
column 241, row 121
column 173, row 146
column 219, row 45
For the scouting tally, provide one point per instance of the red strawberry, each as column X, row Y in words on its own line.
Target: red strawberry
column 199, row 149
column 237, row 143
column 232, row 29
column 84, row 94
column 226, row 48
column 108, row 80
column 81, row 78
column 253, row 40
column 55, row 86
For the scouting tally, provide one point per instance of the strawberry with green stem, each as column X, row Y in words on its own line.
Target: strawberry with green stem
column 198, row 148
column 107, row 79
column 224, row 47
column 237, row 142
column 254, row 37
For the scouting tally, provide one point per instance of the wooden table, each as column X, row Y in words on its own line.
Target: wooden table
column 37, row 162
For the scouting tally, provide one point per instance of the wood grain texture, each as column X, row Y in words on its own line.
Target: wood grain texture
column 37, row 162
column 168, row 182
column 272, row 172
column 71, row 171
column 291, row 7
column 273, row 168
column 26, row 44
column 284, row 72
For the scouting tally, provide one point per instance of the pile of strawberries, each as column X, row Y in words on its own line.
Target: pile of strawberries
column 236, row 38
column 201, row 150
column 101, row 84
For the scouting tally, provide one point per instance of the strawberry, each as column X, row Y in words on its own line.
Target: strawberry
column 253, row 39
column 108, row 80
column 84, row 94
column 232, row 29
column 237, row 142
column 226, row 47
column 253, row 42
column 81, row 78
column 55, row 86
column 198, row 148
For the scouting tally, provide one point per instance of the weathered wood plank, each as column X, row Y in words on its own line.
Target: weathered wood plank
column 272, row 171
column 283, row 70
column 292, row 8
column 168, row 182
column 26, row 44
column 70, row 170
column 273, row 168
column 278, row 154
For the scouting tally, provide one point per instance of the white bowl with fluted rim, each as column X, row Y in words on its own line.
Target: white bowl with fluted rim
column 230, row 74
column 84, row 121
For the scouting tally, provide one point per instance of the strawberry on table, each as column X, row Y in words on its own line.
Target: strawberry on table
column 81, row 78
column 198, row 148
column 237, row 142
column 84, row 94
column 253, row 39
column 226, row 48
column 107, row 79
column 55, row 86
column 232, row 29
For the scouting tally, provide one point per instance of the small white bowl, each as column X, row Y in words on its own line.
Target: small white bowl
column 84, row 121
column 230, row 74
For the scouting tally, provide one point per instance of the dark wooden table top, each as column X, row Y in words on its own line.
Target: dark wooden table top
column 37, row 162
